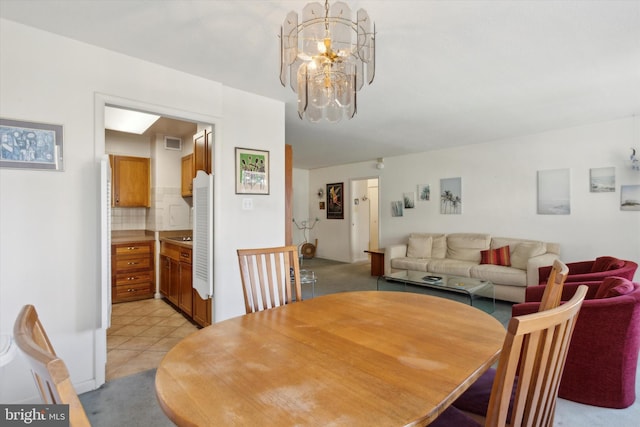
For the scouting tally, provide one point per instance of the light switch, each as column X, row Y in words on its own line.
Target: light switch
column 247, row 204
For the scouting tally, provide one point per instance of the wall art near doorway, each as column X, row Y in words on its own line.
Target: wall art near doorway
column 397, row 208
column 409, row 200
column 424, row 192
column 335, row 200
column 252, row 171
column 29, row 145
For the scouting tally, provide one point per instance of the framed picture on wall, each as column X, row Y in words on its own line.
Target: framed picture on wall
column 29, row 145
column 252, row 171
column 451, row 196
column 335, row 201
column 554, row 192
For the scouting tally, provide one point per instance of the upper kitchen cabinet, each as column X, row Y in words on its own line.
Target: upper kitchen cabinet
column 202, row 149
column 130, row 181
column 187, row 176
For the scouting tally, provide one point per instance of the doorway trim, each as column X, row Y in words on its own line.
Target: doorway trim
column 104, row 277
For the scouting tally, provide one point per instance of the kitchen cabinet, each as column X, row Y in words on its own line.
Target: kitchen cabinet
column 202, row 151
column 176, row 283
column 169, row 278
column 187, row 176
column 185, row 288
column 130, row 181
column 201, row 310
column 132, row 271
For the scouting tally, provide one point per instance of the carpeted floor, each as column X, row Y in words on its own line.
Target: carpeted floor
column 131, row 401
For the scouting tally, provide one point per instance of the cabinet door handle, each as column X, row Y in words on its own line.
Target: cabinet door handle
column 132, row 263
column 131, row 278
column 184, row 254
column 132, row 248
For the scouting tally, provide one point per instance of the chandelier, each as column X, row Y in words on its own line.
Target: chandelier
column 326, row 56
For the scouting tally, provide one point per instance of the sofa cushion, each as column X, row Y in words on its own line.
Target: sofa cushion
column 438, row 243
column 500, row 275
column 451, row 266
column 409, row 264
column 523, row 251
column 613, row 287
column 606, row 263
column 467, row 246
column 499, row 256
column 419, row 247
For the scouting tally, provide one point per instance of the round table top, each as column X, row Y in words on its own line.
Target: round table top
column 353, row 358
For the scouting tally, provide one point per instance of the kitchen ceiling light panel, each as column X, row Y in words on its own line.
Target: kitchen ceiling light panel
column 128, row 120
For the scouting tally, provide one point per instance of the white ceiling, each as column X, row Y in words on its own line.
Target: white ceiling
column 448, row 73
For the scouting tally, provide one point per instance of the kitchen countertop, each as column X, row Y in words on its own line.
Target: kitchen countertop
column 173, row 241
column 131, row 236
column 127, row 236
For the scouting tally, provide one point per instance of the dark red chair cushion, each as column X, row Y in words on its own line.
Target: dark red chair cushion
column 614, row 287
column 476, row 398
column 453, row 417
column 606, row 263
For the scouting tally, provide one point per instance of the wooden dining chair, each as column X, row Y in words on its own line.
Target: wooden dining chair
column 475, row 399
column 553, row 290
column 525, row 387
column 49, row 371
column 268, row 274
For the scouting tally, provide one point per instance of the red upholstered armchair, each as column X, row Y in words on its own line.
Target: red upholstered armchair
column 594, row 270
column 603, row 354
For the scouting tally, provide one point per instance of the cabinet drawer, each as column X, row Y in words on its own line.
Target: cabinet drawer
column 132, row 263
column 124, row 279
column 185, row 255
column 176, row 252
column 133, row 291
column 133, row 249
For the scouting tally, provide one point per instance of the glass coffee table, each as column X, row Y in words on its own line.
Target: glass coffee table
column 481, row 293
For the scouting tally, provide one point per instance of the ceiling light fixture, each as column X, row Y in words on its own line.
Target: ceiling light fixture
column 326, row 56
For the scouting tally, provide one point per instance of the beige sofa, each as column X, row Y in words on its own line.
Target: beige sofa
column 459, row 254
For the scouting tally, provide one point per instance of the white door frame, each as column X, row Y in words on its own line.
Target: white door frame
column 100, row 101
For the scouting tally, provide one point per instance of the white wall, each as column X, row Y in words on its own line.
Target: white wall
column 49, row 221
column 301, row 197
column 499, row 192
column 248, row 119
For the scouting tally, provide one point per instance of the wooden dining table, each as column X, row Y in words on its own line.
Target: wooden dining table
column 347, row 359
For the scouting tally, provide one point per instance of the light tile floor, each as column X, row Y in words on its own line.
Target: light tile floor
column 140, row 335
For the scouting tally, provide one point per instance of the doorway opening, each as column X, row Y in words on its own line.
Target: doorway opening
column 169, row 117
column 364, row 216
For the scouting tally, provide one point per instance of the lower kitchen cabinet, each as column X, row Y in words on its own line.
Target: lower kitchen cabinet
column 132, row 271
column 176, row 283
column 201, row 310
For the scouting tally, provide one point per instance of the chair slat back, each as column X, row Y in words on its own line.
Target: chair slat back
column 268, row 275
column 49, row 371
column 553, row 290
column 533, row 356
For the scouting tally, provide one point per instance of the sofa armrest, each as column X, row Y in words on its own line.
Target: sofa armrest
column 393, row 251
column 535, row 263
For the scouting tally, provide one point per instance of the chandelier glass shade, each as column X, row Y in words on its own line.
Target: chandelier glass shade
column 327, row 58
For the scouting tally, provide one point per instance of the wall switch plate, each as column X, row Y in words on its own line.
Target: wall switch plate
column 247, row 204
